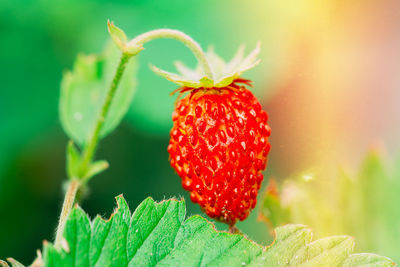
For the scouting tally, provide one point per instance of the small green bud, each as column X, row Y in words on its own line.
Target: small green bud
column 120, row 39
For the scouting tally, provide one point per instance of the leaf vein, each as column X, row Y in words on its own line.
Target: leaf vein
column 226, row 249
column 155, row 226
column 176, row 235
column 104, row 241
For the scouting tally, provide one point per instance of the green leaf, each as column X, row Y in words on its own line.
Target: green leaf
column 271, row 211
column 157, row 234
column 288, row 240
column 73, row 160
column 96, row 168
column 367, row 260
column 328, row 251
column 364, row 202
column 84, row 89
column 117, row 35
column 13, row 262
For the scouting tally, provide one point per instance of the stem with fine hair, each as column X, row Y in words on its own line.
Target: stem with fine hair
column 180, row 36
column 68, row 203
column 88, row 152
column 90, row 148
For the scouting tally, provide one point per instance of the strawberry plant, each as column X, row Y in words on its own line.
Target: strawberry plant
column 219, row 147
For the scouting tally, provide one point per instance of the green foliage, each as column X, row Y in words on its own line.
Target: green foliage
column 95, row 168
column 360, row 205
column 117, row 35
column 56, row 31
column 366, row 260
column 73, row 159
column 272, row 211
column 13, row 263
column 84, row 89
column 157, row 234
column 119, row 38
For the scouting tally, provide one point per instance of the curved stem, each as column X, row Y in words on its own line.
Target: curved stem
column 68, row 203
column 180, row 36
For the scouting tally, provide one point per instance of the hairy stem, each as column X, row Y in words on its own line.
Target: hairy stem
column 68, row 203
column 90, row 149
column 180, row 36
column 91, row 146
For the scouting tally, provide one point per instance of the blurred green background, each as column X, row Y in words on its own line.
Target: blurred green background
column 39, row 40
column 328, row 79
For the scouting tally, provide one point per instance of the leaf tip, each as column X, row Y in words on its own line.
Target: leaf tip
column 117, row 35
column 64, row 245
column 119, row 38
column 120, row 201
column 120, row 196
column 122, row 205
column 109, row 23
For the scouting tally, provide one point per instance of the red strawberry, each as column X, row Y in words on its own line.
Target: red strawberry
column 219, row 147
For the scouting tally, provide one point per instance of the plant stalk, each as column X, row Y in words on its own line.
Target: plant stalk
column 68, row 203
column 91, row 147
column 88, row 153
column 179, row 36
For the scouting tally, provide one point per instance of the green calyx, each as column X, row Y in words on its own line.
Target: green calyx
column 211, row 72
column 224, row 73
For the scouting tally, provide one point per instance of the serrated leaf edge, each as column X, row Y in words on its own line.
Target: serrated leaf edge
column 263, row 249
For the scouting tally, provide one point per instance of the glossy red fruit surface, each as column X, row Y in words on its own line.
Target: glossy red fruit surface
column 219, row 146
